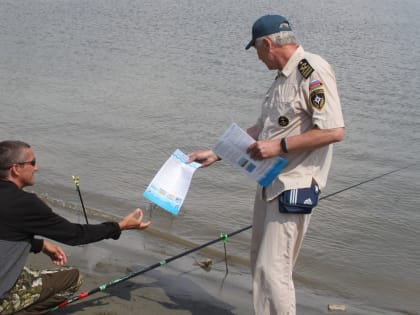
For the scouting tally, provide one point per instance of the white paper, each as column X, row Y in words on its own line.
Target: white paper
column 170, row 185
column 232, row 146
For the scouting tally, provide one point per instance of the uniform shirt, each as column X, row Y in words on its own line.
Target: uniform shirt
column 295, row 104
column 23, row 216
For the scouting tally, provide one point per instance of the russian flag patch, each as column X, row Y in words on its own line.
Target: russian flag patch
column 314, row 84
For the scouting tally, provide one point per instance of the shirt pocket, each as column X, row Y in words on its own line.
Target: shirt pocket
column 287, row 100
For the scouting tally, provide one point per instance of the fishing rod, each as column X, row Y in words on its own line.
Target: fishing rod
column 76, row 182
column 82, row 295
column 223, row 237
column 364, row 182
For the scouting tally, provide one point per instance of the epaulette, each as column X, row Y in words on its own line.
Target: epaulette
column 305, row 68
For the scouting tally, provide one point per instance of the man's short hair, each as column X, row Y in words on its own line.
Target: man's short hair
column 279, row 39
column 11, row 152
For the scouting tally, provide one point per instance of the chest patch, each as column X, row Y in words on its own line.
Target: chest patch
column 283, row 121
column 317, row 97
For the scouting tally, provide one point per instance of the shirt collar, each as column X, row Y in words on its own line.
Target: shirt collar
column 6, row 183
column 293, row 62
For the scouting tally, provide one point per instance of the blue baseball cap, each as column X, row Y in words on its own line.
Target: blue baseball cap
column 267, row 25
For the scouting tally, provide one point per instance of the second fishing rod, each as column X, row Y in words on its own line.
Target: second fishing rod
column 76, row 181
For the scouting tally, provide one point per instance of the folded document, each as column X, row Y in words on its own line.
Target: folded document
column 232, row 146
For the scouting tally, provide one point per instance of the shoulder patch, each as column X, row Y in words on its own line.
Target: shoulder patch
column 305, row 68
column 317, row 97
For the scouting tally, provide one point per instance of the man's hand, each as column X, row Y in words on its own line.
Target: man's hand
column 205, row 157
column 134, row 221
column 264, row 149
column 55, row 252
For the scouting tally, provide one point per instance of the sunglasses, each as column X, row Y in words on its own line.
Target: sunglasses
column 33, row 162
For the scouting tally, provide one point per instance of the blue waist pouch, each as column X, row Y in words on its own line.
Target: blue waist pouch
column 301, row 200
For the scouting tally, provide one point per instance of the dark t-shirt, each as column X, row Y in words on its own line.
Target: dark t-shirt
column 22, row 217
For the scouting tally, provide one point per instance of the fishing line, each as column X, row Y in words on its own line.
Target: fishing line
column 364, row 182
column 76, row 182
column 223, row 237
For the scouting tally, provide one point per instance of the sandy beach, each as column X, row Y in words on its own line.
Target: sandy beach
column 180, row 287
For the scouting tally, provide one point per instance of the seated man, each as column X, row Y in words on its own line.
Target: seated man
column 22, row 217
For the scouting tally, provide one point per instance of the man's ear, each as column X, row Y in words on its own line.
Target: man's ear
column 14, row 170
column 267, row 43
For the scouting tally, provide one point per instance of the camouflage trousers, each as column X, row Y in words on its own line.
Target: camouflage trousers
column 35, row 292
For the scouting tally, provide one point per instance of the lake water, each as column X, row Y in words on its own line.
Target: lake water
column 108, row 89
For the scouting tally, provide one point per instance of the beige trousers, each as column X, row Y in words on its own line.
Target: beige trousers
column 276, row 240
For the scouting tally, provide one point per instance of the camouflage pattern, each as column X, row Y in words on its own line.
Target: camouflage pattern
column 27, row 291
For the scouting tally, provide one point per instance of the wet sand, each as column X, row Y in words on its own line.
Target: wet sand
column 180, row 287
column 177, row 288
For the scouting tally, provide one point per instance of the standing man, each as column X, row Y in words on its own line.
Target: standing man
column 300, row 119
column 22, row 217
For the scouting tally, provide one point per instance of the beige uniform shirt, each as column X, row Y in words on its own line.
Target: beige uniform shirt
column 295, row 104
